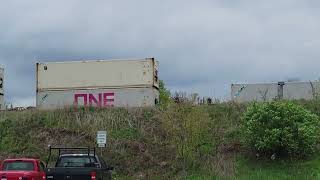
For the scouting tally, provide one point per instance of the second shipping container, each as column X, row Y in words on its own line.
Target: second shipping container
column 124, row 97
column 97, row 74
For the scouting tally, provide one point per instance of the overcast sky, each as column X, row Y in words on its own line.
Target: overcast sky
column 202, row 46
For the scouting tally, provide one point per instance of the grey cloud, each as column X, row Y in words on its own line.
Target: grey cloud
column 202, row 46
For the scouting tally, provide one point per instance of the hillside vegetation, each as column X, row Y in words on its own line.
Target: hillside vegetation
column 180, row 141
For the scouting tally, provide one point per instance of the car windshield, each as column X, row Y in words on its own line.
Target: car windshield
column 18, row 166
column 76, row 161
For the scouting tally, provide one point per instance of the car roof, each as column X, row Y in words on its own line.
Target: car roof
column 21, row 159
column 64, row 155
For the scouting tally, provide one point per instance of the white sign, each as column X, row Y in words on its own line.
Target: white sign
column 102, row 145
column 102, row 138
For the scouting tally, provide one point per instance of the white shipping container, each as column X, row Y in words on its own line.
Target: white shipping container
column 254, row 92
column 124, row 97
column 301, row 90
column 2, row 104
column 97, row 74
column 271, row 91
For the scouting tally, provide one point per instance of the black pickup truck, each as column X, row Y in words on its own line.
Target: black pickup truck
column 78, row 166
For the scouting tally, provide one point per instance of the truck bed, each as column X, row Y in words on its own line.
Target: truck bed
column 70, row 173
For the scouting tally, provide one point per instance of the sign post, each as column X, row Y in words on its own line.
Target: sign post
column 102, row 139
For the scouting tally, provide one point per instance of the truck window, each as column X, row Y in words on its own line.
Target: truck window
column 18, row 166
column 103, row 163
column 42, row 166
column 75, row 161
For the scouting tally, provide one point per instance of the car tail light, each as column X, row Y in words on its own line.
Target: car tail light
column 43, row 175
column 93, row 175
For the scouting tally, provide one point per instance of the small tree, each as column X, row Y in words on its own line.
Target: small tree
column 164, row 94
column 283, row 128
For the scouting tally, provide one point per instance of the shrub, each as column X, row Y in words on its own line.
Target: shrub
column 164, row 94
column 280, row 127
column 188, row 128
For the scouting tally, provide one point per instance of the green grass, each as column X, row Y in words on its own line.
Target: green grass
column 178, row 142
column 270, row 170
column 302, row 169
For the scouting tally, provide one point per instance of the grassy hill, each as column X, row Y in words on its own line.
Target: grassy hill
column 178, row 142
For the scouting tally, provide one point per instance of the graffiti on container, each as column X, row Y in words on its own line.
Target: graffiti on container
column 44, row 97
column 263, row 94
column 240, row 90
column 1, row 83
column 99, row 100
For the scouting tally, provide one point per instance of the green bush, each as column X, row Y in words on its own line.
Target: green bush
column 280, row 127
column 164, row 94
column 189, row 129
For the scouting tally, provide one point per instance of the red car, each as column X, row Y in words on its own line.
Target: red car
column 22, row 169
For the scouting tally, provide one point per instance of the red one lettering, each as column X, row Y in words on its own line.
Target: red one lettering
column 108, row 99
column 76, row 99
column 102, row 99
column 92, row 100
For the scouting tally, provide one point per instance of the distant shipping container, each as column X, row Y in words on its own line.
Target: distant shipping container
column 254, row 92
column 97, row 74
column 2, row 103
column 301, row 90
column 118, row 83
column 271, row 91
column 124, row 97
